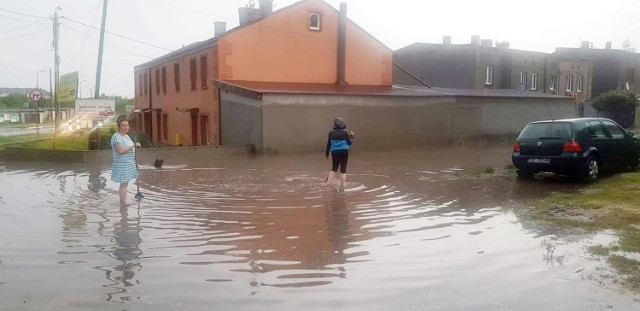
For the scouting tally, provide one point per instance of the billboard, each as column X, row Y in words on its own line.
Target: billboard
column 68, row 87
column 96, row 109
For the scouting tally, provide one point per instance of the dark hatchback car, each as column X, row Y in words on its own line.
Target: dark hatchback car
column 579, row 148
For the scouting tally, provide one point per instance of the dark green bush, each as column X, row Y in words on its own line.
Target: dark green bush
column 616, row 101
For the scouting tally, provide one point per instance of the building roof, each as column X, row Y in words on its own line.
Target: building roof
column 20, row 90
column 213, row 41
column 256, row 89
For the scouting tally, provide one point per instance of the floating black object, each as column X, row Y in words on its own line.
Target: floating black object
column 158, row 163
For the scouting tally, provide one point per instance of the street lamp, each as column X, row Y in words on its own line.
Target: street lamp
column 38, row 78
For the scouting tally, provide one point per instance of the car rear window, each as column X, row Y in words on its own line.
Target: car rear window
column 546, row 130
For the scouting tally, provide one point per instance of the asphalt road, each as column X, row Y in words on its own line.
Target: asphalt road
column 15, row 131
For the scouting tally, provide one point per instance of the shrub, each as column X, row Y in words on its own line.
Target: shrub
column 617, row 104
column 616, row 101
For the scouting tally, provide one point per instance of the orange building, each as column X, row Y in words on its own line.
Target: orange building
column 307, row 43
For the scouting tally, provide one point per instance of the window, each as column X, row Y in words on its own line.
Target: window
column 176, row 77
column 630, row 75
column 146, row 83
column 314, row 21
column 569, row 83
column 203, row 72
column 552, row 84
column 158, row 81
column 579, row 84
column 165, row 127
column 613, row 129
column 140, row 84
column 164, row 80
column 596, row 129
column 489, row 76
column 523, row 80
column 534, row 81
column 192, row 73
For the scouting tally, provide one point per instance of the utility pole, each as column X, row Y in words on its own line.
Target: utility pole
column 100, row 49
column 56, row 66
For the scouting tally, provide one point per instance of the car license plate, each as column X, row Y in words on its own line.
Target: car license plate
column 539, row 160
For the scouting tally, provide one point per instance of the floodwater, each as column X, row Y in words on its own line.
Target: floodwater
column 418, row 230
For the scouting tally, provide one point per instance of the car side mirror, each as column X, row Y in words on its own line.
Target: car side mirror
column 630, row 134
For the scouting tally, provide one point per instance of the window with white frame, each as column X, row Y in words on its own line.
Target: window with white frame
column 579, row 84
column 569, row 83
column 552, row 84
column 314, row 20
column 489, row 76
column 534, row 81
column 523, row 81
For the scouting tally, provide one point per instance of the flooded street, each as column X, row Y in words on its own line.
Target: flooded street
column 421, row 230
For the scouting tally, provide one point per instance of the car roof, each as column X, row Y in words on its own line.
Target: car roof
column 574, row 120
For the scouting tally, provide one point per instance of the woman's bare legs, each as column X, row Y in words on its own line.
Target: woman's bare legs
column 123, row 193
column 331, row 176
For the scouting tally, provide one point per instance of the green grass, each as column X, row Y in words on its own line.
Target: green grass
column 19, row 139
column 68, row 142
column 630, row 270
column 45, row 141
column 611, row 203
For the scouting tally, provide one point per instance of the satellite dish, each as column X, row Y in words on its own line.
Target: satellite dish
column 626, row 86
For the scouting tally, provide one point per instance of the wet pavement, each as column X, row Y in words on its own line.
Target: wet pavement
column 419, row 230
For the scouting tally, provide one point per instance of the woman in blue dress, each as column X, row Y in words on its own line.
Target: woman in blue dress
column 124, row 158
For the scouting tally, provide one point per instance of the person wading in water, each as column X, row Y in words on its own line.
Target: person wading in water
column 338, row 145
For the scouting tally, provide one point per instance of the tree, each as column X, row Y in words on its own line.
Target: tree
column 15, row 101
column 626, row 46
column 619, row 105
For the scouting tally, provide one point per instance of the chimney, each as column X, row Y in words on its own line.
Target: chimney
column 266, row 8
column 475, row 40
column 486, row 42
column 502, row 45
column 608, row 45
column 446, row 40
column 248, row 15
column 342, row 45
column 220, row 28
column 584, row 45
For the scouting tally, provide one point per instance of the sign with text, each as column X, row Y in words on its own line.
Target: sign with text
column 96, row 109
column 68, row 87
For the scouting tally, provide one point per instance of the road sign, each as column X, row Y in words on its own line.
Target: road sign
column 35, row 95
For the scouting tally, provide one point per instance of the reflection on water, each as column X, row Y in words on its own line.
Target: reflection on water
column 126, row 252
column 414, row 230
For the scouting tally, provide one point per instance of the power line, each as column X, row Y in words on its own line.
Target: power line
column 12, row 30
column 112, row 47
column 20, row 20
column 117, row 35
column 85, row 40
column 22, row 36
column 24, row 14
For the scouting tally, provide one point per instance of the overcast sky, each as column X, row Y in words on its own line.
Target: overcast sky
column 140, row 30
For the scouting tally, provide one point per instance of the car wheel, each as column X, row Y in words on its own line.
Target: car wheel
column 524, row 175
column 591, row 170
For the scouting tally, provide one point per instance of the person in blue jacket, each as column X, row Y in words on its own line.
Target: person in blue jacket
column 338, row 145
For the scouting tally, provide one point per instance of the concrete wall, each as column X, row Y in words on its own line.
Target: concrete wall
column 300, row 123
column 240, row 120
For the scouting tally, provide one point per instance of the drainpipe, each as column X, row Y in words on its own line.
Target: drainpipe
column 342, row 44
